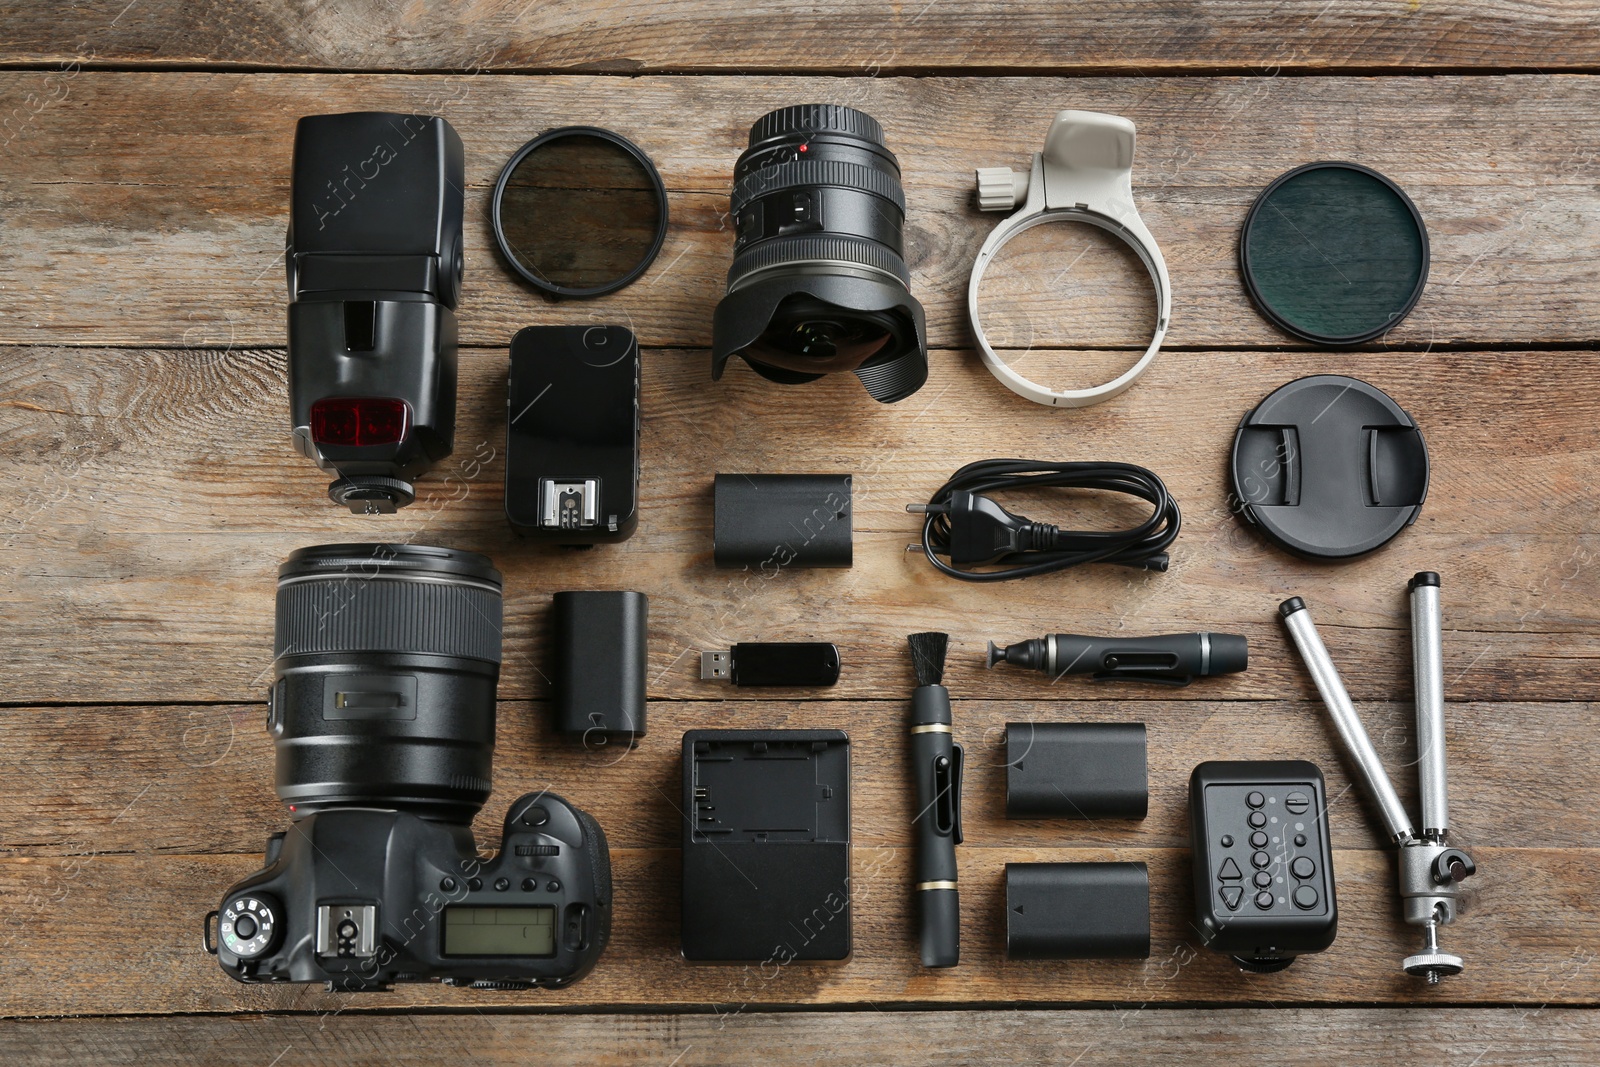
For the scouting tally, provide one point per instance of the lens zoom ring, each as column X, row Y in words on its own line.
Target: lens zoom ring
column 369, row 614
column 811, row 172
column 799, row 250
column 816, row 118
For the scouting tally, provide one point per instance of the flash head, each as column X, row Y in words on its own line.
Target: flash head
column 374, row 265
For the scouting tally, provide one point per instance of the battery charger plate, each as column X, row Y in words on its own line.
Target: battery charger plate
column 1329, row 467
column 766, row 845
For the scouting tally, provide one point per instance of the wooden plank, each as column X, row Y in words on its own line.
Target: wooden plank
column 190, row 780
column 175, row 236
column 1129, row 36
column 1528, row 938
column 155, row 494
column 1248, row 1037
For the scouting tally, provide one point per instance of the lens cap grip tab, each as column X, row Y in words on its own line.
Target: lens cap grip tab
column 1084, row 174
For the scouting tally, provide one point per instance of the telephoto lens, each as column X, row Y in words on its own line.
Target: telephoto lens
column 819, row 282
column 382, row 714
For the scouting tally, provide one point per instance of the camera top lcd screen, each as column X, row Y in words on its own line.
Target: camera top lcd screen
column 519, row 931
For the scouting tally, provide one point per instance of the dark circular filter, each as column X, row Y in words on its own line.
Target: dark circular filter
column 1334, row 253
column 579, row 211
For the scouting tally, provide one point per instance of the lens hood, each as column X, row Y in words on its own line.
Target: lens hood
column 745, row 314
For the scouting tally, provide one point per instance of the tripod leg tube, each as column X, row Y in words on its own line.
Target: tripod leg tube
column 1358, row 746
column 1427, row 659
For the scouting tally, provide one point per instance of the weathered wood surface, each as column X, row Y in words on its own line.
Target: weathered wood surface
column 1131, row 36
column 146, row 208
column 152, row 493
column 155, row 493
column 1137, row 1033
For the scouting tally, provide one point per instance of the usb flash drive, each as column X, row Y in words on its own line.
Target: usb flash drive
column 772, row 663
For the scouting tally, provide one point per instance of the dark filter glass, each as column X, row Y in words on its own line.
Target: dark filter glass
column 1334, row 254
column 580, row 212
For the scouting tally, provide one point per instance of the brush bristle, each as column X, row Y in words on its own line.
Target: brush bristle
column 927, row 657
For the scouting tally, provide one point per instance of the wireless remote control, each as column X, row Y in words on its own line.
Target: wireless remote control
column 1263, row 867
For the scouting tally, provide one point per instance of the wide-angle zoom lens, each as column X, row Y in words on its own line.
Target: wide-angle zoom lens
column 387, row 659
column 819, row 282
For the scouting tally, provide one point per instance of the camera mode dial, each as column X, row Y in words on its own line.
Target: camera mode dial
column 248, row 925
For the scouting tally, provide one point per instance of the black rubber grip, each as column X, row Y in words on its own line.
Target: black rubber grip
column 378, row 613
column 816, row 118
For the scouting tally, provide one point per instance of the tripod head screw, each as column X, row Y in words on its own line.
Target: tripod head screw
column 1453, row 865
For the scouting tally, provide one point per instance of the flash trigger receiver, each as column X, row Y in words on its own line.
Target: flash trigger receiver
column 572, row 434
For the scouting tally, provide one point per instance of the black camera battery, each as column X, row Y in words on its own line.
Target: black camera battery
column 572, row 434
column 598, row 661
column 766, row 845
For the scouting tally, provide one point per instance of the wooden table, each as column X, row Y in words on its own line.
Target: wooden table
column 152, row 491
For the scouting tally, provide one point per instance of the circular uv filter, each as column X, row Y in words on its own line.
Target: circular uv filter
column 1334, row 253
column 579, row 211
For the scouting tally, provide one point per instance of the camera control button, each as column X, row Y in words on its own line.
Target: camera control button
column 245, row 927
column 553, row 886
column 536, row 816
column 502, row 884
column 447, row 884
column 530, row 884
column 475, row 884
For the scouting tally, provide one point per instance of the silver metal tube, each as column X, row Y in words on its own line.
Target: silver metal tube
column 1345, row 720
column 1427, row 658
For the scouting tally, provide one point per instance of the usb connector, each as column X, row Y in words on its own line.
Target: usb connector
column 792, row 663
column 716, row 666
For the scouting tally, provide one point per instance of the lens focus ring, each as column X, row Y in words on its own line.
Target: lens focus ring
column 389, row 598
column 812, row 248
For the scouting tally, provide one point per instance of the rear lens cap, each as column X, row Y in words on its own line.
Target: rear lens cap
column 1334, row 253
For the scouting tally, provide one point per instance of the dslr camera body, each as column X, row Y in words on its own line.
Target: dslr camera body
column 374, row 264
column 382, row 715
column 361, row 898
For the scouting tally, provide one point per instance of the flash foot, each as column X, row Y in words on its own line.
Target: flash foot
column 372, row 494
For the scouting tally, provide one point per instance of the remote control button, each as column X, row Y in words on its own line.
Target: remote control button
column 1255, row 800
column 1302, row 868
column 1262, row 879
column 1300, row 840
column 1258, row 840
column 1257, row 819
column 1260, row 859
column 1263, row 900
column 1227, row 840
column 1232, row 895
column 1305, row 897
column 1230, row 872
column 1297, row 802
